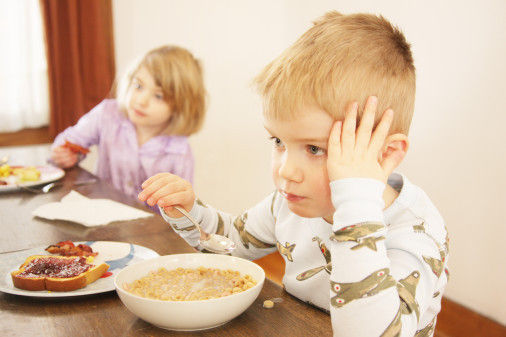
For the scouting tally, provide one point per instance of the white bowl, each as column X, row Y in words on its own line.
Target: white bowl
column 189, row 315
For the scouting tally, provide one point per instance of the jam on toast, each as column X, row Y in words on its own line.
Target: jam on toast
column 56, row 273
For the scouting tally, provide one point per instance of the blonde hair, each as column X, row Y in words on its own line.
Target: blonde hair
column 342, row 58
column 179, row 75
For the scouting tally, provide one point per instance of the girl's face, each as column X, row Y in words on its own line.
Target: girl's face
column 146, row 105
column 299, row 162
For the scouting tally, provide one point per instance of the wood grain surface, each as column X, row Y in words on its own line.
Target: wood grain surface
column 104, row 314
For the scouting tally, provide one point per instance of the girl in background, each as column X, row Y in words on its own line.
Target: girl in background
column 159, row 103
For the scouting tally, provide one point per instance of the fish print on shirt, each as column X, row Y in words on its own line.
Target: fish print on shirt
column 185, row 229
column 221, row 224
column 286, row 250
column 328, row 267
column 246, row 237
column 428, row 330
column 447, row 272
column 407, row 290
column 358, row 232
column 371, row 285
column 447, row 248
column 447, row 242
column 369, row 242
column 437, row 266
column 394, row 329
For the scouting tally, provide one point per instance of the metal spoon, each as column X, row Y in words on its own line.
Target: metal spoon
column 212, row 242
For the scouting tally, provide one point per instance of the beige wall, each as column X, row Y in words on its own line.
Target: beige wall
column 458, row 141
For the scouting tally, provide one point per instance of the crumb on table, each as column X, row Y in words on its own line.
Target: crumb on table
column 268, row 304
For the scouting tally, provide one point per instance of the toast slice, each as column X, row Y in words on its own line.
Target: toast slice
column 75, row 148
column 56, row 273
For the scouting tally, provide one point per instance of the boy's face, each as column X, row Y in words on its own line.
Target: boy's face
column 299, row 161
column 146, row 105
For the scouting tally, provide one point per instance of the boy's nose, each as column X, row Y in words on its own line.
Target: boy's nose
column 289, row 170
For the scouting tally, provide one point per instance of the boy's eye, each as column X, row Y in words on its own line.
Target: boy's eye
column 277, row 142
column 137, row 85
column 159, row 96
column 317, row 151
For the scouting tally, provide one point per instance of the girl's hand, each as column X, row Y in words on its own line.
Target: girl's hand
column 357, row 152
column 63, row 157
column 167, row 190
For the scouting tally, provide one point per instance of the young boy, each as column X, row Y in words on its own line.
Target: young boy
column 358, row 240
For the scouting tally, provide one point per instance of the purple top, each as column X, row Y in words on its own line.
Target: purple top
column 121, row 161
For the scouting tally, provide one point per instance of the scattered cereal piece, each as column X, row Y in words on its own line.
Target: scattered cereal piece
column 268, row 304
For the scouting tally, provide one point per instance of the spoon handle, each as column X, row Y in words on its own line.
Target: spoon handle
column 205, row 237
column 188, row 216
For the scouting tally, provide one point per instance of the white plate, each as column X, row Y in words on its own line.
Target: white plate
column 48, row 174
column 116, row 254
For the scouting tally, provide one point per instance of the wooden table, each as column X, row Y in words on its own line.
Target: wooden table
column 104, row 314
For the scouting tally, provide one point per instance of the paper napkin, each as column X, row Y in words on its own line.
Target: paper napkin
column 76, row 207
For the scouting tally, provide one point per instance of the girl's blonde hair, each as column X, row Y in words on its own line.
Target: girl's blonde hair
column 179, row 75
column 342, row 58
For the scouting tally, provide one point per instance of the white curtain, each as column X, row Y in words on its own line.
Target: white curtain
column 24, row 101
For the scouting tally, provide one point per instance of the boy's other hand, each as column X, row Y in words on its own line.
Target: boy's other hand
column 357, row 152
column 63, row 157
column 167, row 190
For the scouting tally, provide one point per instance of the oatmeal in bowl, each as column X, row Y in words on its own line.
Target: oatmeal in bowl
column 189, row 291
column 190, row 284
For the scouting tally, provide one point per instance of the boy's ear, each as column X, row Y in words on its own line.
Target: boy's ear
column 394, row 150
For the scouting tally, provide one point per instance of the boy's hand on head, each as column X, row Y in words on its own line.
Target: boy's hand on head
column 63, row 157
column 167, row 190
column 354, row 152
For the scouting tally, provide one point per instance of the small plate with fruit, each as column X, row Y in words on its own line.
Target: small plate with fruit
column 12, row 177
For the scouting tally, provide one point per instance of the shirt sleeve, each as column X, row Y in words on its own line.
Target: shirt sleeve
column 252, row 231
column 385, row 280
column 87, row 130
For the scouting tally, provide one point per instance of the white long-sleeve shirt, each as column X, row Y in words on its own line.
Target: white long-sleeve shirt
column 379, row 272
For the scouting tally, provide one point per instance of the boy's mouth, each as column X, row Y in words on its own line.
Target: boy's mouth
column 291, row 197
